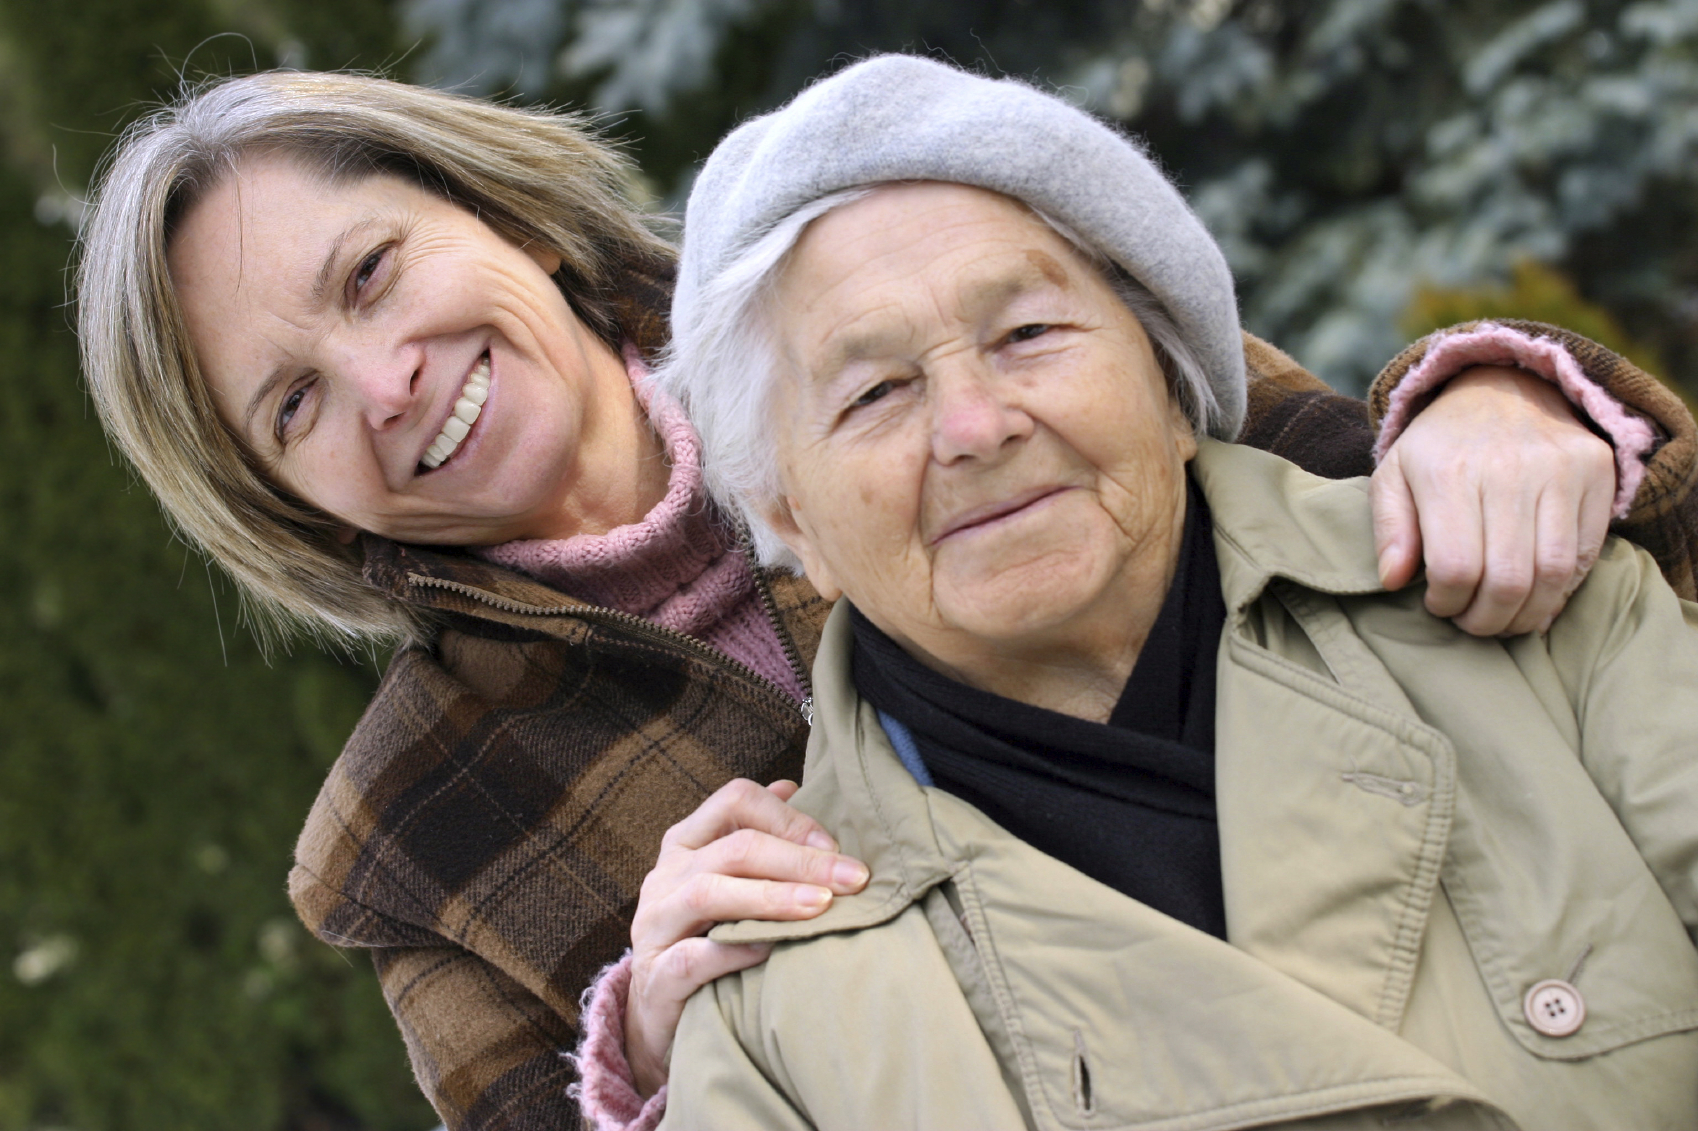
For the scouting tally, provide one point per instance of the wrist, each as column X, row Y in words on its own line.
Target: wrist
column 648, row 1072
column 1506, row 350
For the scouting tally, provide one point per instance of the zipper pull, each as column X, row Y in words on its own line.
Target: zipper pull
column 807, row 709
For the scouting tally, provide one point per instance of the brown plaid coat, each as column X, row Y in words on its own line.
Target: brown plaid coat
column 486, row 831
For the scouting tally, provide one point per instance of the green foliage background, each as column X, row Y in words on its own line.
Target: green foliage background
column 154, row 768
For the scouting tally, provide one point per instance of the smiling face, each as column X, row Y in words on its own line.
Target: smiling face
column 977, row 444
column 354, row 332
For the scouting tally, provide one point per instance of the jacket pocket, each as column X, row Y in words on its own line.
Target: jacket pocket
column 1578, row 946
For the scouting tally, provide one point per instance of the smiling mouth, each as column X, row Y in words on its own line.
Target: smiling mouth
column 981, row 517
column 467, row 409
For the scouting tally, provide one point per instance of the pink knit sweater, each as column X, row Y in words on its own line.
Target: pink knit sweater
column 608, row 1093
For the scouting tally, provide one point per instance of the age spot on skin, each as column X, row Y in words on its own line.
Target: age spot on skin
column 1047, row 267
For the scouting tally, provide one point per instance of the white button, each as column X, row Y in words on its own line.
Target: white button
column 1554, row 1008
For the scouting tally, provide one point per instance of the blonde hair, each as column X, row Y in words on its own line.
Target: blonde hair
column 538, row 177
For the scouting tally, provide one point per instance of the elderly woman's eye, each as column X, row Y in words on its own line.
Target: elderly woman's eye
column 876, row 392
column 1028, row 332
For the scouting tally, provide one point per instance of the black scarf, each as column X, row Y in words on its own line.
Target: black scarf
column 1130, row 803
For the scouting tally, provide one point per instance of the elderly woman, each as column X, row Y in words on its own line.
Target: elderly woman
column 1176, row 817
column 373, row 348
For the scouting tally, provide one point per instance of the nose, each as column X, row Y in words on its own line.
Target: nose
column 384, row 380
column 974, row 416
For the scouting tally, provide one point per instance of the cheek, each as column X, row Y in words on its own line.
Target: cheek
column 861, row 514
column 328, row 472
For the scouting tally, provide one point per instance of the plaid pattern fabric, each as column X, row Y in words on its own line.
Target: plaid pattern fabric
column 487, row 829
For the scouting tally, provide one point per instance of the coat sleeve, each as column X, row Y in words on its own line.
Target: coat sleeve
column 486, row 1052
column 1663, row 514
column 1627, row 651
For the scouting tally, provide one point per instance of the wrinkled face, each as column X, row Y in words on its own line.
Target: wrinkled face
column 976, row 442
column 353, row 333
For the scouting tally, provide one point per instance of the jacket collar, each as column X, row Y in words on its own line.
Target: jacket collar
column 395, row 569
column 1272, row 519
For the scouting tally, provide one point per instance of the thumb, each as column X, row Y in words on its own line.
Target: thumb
column 1397, row 528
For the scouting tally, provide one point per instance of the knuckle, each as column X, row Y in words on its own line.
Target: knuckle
column 701, row 894
column 741, row 792
column 740, row 848
column 680, row 962
column 1554, row 565
column 1448, row 569
column 1507, row 586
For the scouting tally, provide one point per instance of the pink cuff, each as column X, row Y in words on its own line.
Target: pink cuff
column 606, row 1090
column 1491, row 344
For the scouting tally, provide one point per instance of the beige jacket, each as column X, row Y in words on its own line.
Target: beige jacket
column 1417, row 827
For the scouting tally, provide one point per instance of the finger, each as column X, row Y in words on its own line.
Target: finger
column 1597, row 507
column 741, row 804
column 1397, row 529
column 659, row 990
column 783, row 789
column 685, row 967
column 1556, row 561
column 1453, row 544
column 1592, row 527
column 756, row 855
column 1509, row 533
column 709, row 898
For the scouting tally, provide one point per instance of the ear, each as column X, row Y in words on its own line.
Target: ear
column 347, row 534
column 1184, row 432
column 548, row 260
column 782, row 516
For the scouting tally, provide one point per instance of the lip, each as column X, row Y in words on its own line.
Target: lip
column 978, row 518
column 460, row 450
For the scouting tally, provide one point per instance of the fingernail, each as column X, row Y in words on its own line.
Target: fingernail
column 818, row 839
column 849, row 873
column 812, row 899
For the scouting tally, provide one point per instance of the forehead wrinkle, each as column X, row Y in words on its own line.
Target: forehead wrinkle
column 1034, row 271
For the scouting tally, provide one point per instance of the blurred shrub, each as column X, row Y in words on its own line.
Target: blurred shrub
column 154, row 768
column 1535, row 292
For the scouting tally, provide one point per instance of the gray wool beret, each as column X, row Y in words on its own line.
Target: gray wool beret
column 903, row 118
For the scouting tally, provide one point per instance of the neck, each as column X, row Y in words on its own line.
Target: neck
column 591, row 500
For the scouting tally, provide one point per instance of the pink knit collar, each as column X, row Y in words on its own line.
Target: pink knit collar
column 679, row 567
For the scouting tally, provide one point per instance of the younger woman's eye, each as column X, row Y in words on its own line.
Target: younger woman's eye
column 291, row 405
column 1028, row 332
column 367, row 268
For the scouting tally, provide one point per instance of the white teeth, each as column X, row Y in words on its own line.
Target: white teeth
column 466, row 411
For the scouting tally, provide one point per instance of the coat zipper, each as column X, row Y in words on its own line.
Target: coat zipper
column 648, row 628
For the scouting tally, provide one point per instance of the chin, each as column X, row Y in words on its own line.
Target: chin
column 1024, row 602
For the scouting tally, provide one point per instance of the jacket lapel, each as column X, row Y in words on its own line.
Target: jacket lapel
column 1335, row 802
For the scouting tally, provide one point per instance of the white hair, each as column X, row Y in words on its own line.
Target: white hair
column 722, row 362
